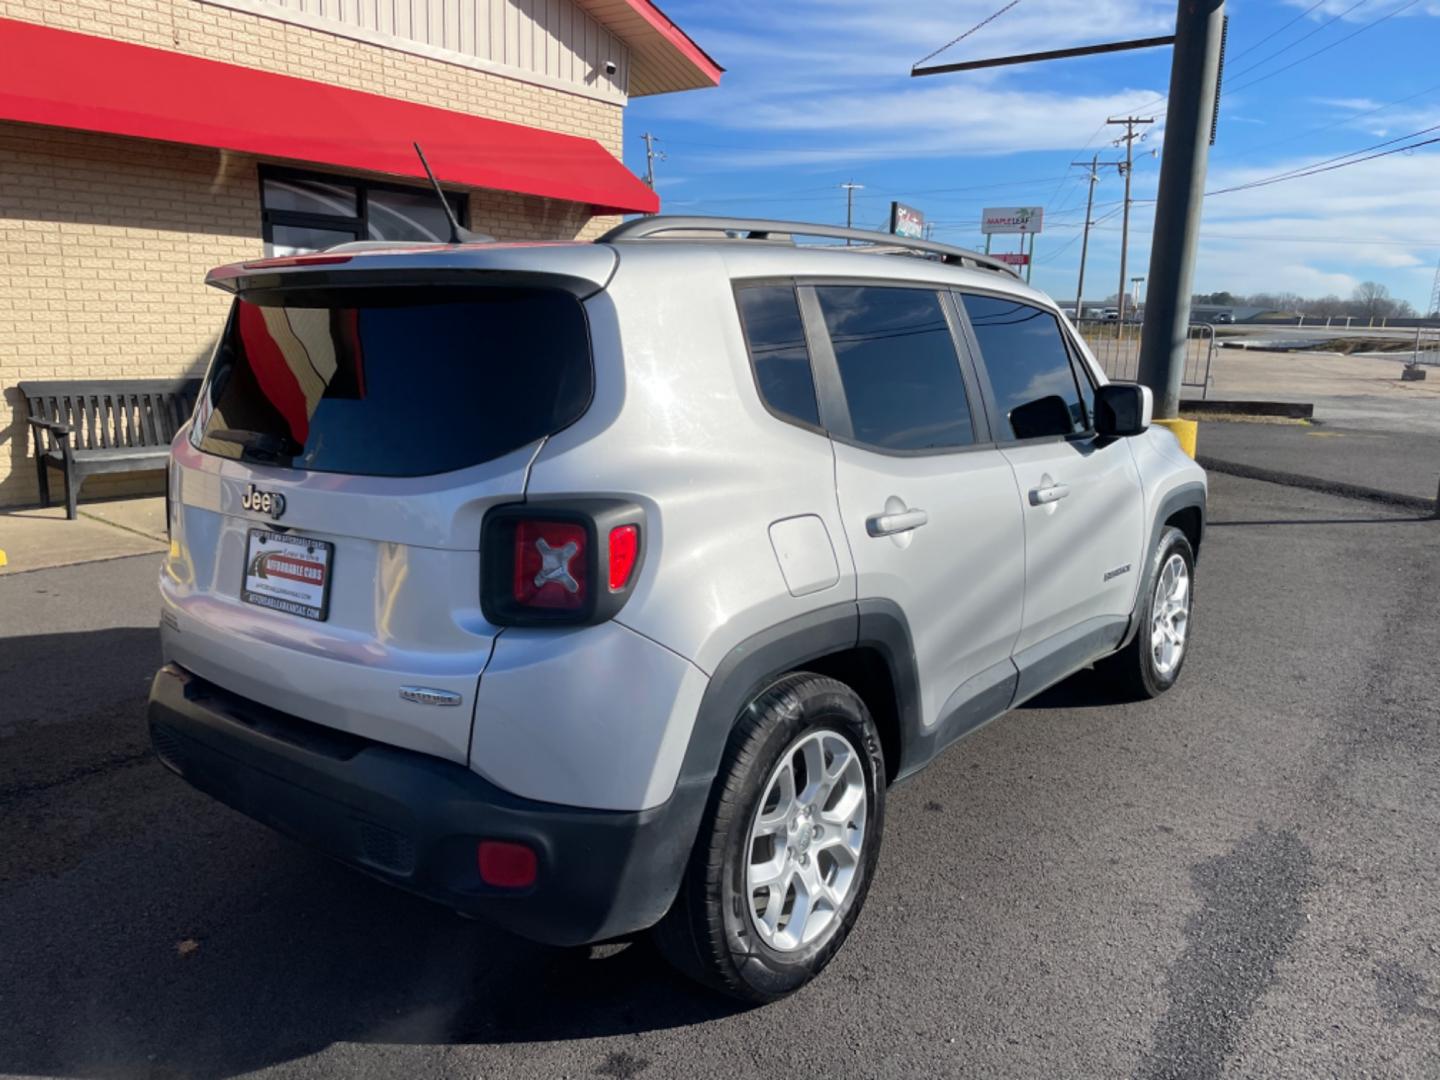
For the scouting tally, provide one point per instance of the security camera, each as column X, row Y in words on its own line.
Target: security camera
column 611, row 67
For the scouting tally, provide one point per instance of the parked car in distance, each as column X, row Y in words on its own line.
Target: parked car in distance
column 601, row 588
column 1110, row 314
column 1225, row 317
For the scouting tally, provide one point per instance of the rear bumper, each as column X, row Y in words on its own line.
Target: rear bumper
column 414, row 820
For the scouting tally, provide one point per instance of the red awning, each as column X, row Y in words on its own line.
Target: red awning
column 70, row 80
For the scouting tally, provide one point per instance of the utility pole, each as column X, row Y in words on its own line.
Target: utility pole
column 1094, row 166
column 1130, row 122
column 651, row 154
column 1190, row 121
column 850, row 189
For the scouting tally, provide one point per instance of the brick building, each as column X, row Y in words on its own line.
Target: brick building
column 144, row 141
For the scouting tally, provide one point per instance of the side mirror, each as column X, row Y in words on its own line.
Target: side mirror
column 1123, row 409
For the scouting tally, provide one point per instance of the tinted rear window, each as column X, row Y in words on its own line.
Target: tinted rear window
column 395, row 382
column 770, row 315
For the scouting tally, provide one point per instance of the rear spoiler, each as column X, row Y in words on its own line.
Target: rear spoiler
column 581, row 269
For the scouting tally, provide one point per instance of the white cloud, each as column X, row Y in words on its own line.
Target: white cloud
column 804, row 76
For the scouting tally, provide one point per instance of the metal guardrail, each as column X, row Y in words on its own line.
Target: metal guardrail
column 1116, row 346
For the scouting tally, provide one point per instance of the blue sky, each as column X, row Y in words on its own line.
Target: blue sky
column 818, row 92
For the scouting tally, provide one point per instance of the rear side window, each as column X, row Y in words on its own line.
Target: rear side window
column 775, row 336
column 898, row 366
column 1029, row 367
column 395, row 382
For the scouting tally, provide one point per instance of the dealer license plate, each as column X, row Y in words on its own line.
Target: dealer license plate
column 288, row 573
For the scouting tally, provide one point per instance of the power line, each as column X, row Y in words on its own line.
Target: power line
column 1339, row 41
column 1325, row 169
column 955, row 41
column 1337, row 123
column 1316, row 166
column 1278, row 31
column 1303, row 37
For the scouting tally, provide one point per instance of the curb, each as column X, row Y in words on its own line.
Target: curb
column 1295, row 410
column 1315, row 483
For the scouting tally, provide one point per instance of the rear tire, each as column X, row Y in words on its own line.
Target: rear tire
column 1151, row 663
column 785, row 857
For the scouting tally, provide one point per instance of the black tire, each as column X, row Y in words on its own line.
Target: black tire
column 708, row 933
column 1132, row 671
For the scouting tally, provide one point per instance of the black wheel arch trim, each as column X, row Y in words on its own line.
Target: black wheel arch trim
column 1190, row 495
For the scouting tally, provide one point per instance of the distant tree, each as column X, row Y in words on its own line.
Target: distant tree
column 1215, row 299
column 1372, row 299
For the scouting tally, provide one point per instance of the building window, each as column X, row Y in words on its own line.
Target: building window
column 302, row 212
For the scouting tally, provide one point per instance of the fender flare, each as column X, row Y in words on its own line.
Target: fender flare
column 1188, row 495
column 753, row 664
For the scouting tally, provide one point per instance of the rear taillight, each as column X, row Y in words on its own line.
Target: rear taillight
column 550, row 562
column 550, row 559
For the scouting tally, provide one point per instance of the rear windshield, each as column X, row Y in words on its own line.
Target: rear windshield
column 394, row 382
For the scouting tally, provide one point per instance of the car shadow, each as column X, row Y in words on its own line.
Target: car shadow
column 146, row 930
column 1088, row 688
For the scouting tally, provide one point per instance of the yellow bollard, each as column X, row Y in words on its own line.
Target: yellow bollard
column 1185, row 431
column 3, row 560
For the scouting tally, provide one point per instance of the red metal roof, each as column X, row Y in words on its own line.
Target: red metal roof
column 64, row 79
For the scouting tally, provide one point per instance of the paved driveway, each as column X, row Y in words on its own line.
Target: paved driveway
column 1242, row 879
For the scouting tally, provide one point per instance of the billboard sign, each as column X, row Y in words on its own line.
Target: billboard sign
column 1013, row 258
column 906, row 221
column 1012, row 219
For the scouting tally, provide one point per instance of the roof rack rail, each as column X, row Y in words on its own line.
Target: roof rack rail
column 645, row 228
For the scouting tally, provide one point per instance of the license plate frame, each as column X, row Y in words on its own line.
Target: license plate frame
column 280, row 573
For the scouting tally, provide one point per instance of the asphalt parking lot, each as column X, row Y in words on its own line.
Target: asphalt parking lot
column 1241, row 879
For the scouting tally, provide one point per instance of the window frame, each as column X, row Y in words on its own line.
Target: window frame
column 359, row 224
column 992, row 408
column 736, row 285
column 830, row 389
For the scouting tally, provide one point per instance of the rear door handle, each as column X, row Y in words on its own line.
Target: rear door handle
column 1048, row 493
column 898, row 522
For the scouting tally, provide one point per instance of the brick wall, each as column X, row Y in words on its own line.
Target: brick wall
column 105, row 241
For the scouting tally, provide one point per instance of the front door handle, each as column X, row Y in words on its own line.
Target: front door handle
column 1048, row 493
column 898, row 522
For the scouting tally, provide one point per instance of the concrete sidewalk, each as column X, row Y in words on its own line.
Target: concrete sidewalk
column 38, row 539
column 1400, row 467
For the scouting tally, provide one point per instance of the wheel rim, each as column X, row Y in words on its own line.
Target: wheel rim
column 805, row 841
column 1170, row 615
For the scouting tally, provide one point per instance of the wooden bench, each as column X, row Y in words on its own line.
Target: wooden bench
column 83, row 427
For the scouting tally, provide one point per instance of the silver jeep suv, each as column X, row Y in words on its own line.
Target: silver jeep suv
column 599, row 587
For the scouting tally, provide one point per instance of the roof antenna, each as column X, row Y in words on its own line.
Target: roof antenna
column 458, row 234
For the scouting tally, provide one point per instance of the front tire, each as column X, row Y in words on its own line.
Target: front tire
column 1151, row 663
column 788, row 845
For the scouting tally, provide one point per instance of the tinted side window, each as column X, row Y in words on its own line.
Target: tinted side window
column 770, row 315
column 1029, row 367
column 898, row 365
column 1087, row 388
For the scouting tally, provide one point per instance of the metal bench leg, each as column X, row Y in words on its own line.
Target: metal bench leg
column 42, row 477
column 72, row 491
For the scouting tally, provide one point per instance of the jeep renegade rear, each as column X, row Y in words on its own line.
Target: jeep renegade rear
column 594, row 588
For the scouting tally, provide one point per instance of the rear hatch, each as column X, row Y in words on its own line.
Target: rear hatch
column 326, row 503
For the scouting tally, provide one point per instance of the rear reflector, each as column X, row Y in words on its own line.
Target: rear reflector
column 505, row 865
column 624, row 547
